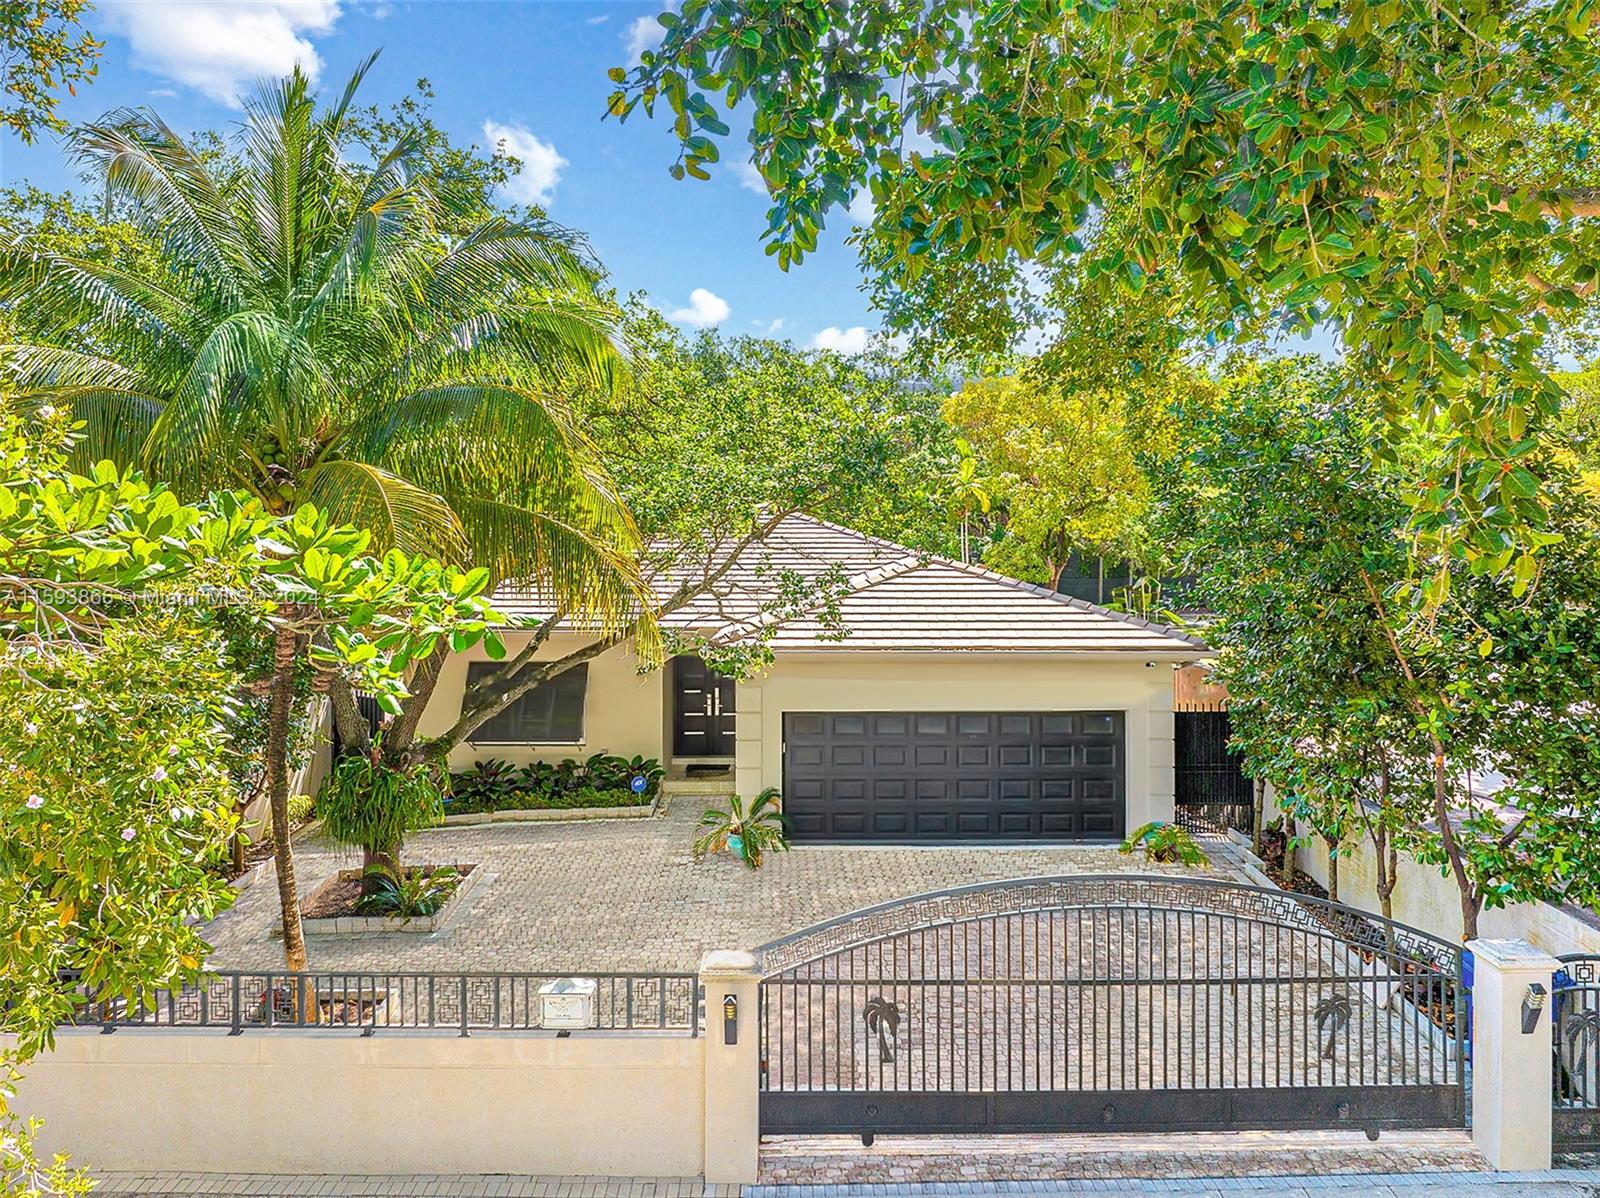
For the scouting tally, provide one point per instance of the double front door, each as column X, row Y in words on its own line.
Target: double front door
column 702, row 713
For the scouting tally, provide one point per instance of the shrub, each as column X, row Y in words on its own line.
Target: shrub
column 302, row 809
column 1165, row 843
column 601, row 781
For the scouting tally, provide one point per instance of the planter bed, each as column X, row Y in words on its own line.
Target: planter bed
column 536, row 815
column 327, row 911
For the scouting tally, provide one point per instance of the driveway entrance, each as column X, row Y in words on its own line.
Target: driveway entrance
column 1116, row 1003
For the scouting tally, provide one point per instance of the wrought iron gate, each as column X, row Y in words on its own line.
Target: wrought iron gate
column 1576, row 1117
column 1211, row 790
column 1109, row 1003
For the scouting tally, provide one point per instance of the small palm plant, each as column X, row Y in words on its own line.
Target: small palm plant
column 1165, row 843
column 749, row 833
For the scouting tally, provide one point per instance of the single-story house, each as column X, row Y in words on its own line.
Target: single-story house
column 945, row 703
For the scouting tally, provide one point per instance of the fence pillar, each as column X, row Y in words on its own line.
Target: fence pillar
column 1511, row 1065
column 733, row 1064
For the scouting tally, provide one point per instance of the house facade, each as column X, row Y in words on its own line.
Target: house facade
column 939, row 702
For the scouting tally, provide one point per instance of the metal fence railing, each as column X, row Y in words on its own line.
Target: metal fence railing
column 372, row 1002
column 1576, row 1055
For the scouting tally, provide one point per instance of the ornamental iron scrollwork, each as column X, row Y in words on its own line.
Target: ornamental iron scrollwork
column 882, row 1018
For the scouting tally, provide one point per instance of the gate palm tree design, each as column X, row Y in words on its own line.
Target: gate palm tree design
column 1331, row 1014
column 1582, row 1032
column 882, row 1018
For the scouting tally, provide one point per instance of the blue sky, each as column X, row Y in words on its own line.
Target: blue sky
column 534, row 73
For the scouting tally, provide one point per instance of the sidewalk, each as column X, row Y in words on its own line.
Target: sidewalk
column 1556, row 1183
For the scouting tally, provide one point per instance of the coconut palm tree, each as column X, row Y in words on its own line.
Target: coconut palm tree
column 341, row 333
column 327, row 331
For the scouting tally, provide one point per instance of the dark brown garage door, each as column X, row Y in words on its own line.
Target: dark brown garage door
column 941, row 776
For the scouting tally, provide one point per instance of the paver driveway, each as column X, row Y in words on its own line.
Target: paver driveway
column 626, row 895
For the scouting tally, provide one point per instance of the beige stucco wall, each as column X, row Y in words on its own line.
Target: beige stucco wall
column 334, row 1102
column 625, row 712
column 1429, row 900
column 849, row 680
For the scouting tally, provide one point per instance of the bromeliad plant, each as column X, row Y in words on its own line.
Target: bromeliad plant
column 406, row 894
column 1165, row 843
column 749, row 833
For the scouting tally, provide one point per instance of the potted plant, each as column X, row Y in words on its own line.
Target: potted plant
column 748, row 833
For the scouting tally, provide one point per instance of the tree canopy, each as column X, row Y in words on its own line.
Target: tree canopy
column 1417, row 177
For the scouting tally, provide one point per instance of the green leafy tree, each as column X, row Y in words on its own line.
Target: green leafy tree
column 1061, row 465
column 1417, row 177
column 1367, row 720
column 44, row 47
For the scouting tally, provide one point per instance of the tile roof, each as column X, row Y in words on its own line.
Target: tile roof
column 897, row 598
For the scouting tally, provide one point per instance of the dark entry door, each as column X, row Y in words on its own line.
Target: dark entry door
column 702, row 711
column 954, row 776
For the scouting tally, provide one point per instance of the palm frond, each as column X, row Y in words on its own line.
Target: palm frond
column 597, row 584
column 138, row 157
column 400, row 515
column 43, row 368
column 241, row 363
column 66, row 294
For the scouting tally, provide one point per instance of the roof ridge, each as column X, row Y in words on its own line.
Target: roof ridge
column 929, row 558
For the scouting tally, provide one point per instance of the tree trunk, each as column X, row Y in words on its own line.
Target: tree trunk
column 1452, row 850
column 285, row 647
column 1260, row 815
column 1333, row 871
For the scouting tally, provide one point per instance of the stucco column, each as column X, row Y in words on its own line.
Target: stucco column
column 1510, row 1066
column 733, row 1127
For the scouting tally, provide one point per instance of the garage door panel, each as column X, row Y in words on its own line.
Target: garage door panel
column 1100, row 755
column 955, row 776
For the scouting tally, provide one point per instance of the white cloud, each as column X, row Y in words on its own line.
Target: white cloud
column 600, row 20
column 773, row 326
column 643, row 33
column 541, row 169
column 862, row 210
column 705, row 308
column 220, row 48
column 750, row 178
column 844, row 341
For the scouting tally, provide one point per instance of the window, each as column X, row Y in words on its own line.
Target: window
column 550, row 714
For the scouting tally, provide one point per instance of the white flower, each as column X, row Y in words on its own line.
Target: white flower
column 46, row 412
column 159, row 774
column 35, row 802
column 127, row 833
column 30, row 729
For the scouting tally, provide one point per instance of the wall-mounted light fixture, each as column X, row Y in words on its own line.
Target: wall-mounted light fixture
column 1532, row 1004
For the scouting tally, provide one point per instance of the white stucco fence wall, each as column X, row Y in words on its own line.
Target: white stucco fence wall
column 1427, row 899
column 334, row 1102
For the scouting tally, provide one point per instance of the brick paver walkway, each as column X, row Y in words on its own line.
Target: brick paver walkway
column 626, row 895
column 1560, row 1183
